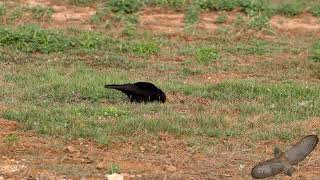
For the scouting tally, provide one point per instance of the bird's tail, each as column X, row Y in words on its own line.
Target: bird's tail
column 113, row 86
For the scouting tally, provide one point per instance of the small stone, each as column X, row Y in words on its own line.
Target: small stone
column 101, row 165
column 115, row 176
column 171, row 168
column 142, row 149
column 70, row 149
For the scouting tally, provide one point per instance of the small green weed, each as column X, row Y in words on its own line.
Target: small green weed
column 218, row 5
column 144, row 48
column 206, row 55
column 222, row 17
column 114, row 168
column 11, row 139
column 192, row 15
column 124, row 6
column 315, row 52
column 89, row 41
column 39, row 12
column 315, row 10
column 259, row 22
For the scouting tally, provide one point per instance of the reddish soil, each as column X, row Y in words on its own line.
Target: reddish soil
column 172, row 22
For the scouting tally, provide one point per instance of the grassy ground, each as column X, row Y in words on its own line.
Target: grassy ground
column 242, row 85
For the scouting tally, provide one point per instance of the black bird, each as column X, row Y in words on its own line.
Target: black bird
column 140, row 91
column 284, row 161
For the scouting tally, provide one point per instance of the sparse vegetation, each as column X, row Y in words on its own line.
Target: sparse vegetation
column 315, row 10
column 291, row 8
column 206, row 54
column 315, row 52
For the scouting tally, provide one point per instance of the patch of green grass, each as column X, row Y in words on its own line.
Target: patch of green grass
column 315, row 10
column 218, row 5
column 315, row 52
column 31, row 38
column 282, row 134
column 192, row 14
column 114, row 168
column 291, row 8
column 174, row 4
column 259, row 22
column 287, row 102
column 11, row 139
column 3, row 10
column 143, row 48
column 81, row 2
column 189, row 72
column 16, row 13
column 124, row 6
column 206, row 55
column 39, row 12
column 255, row 46
column 89, row 41
column 222, row 17
column 256, row 7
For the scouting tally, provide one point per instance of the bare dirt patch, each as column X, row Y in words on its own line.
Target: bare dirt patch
column 305, row 22
column 162, row 21
column 173, row 22
column 65, row 15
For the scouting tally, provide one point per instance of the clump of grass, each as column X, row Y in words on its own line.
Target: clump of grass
column 259, row 22
column 89, row 41
column 218, row 5
column 124, row 6
column 315, row 10
column 81, row 2
column 192, row 14
column 39, row 12
column 145, row 48
column 222, row 17
column 114, row 168
column 315, row 52
column 11, row 139
column 206, row 55
column 255, row 46
column 256, row 7
column 3, row 9
column 16, row 13
column 239, row 21
column 174, row 4
column 291, row 8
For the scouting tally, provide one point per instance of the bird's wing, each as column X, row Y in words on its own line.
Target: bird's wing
column 146, row 85
column 302, row 149
column 267, row 168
